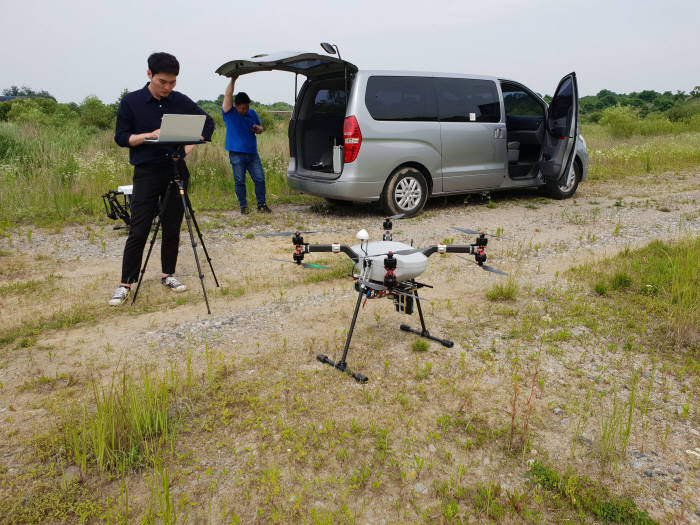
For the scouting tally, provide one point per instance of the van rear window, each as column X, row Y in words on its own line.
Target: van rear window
column 401, row 98
column 330, row 102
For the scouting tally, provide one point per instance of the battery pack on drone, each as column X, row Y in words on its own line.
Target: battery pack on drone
column 403, row 304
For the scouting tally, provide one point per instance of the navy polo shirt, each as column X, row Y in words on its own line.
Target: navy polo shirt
column 139, row 113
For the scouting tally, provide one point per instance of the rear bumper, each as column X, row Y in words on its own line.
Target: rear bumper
column 341, row 188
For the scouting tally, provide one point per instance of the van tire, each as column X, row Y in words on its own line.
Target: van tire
column 405, row 192
column 566, row 190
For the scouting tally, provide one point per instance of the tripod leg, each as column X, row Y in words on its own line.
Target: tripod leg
column 181, row 190
column 342, row 364
column 201, row 240
column 424, row 331
column 148, row 255
column 158, row 222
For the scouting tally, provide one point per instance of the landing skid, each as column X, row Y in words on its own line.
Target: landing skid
column 343, row 367
column 360, row 378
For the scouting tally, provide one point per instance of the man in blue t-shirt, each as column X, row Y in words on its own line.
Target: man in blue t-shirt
column 242, row 124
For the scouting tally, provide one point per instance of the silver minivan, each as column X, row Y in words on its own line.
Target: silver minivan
column 399, row 137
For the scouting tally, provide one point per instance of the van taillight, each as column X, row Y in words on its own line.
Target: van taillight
column 353, row 138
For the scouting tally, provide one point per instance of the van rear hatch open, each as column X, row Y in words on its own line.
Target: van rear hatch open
column 316, row 126
column 311, row 65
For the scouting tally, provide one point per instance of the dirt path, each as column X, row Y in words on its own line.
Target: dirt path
column 263, row 303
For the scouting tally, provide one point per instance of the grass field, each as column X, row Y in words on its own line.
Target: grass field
column 570, row 395
column 56, row 175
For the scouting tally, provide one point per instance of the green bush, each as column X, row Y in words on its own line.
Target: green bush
column 10, row 146
column 29, row 111
column 94, row 113
column 683, row 112
column 622, row 121
column 5, row 109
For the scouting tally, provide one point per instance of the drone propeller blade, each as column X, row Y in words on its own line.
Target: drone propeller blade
column 317, row 266
column 474, row 232
column 283, row 234
column 484, row 266
column 400, row 215
column 305, row 265
column 407, row 251
column 493, row 270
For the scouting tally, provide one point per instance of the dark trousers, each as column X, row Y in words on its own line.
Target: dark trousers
column 151, row 182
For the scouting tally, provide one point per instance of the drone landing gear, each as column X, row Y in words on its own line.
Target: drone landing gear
column 424, row 331
column 342, row 365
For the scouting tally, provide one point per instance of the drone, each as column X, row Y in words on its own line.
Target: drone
column 117, row 208
column 388, row 269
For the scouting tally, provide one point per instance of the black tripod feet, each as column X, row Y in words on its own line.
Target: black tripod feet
column 426, row 334
column 343, row 367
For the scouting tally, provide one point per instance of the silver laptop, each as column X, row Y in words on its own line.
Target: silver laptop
column 180, row 128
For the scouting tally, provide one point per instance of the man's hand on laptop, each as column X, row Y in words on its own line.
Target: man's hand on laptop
column 138, row 139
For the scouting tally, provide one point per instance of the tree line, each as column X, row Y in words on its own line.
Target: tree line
column 24, row 104
column 28, row 105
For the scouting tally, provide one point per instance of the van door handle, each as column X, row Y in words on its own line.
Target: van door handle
column 498, row 133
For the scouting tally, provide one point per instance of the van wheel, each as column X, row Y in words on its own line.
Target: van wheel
column 566, row 188
column 405, row 192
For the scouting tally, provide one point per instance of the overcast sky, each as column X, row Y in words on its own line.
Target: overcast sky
column 75, row 48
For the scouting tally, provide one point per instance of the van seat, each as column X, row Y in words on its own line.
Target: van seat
column 513, row 151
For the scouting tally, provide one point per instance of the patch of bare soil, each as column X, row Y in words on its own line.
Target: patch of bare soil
column 268, row 323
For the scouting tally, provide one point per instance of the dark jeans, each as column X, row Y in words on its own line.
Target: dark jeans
column 240, row 162
column 150, row 185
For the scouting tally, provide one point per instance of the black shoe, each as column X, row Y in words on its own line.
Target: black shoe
column 244, row 210
column 264, row 209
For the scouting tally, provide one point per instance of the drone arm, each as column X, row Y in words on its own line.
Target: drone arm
column 308, row 248
column 447, row 248
column 459, row 248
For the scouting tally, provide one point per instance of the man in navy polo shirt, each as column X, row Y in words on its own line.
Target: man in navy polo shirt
column 242, row 126
column 138, row 118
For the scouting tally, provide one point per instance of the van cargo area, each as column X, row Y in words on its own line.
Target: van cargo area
column 318, row 127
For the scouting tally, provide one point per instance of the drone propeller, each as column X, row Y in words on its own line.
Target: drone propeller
column 400, row 215
column 284, row 234
column 484, row 266
column 407, row 251
column 304, row 264
column 474, row 232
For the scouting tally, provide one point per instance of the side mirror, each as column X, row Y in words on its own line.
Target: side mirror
column 328, row 48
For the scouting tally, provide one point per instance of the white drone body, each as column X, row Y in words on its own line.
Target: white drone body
column 407, row 266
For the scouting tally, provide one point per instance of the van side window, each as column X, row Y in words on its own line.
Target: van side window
column 468, row 100
column 401, row 98
column 561, row 107
column 520, row 103
column 330, row 102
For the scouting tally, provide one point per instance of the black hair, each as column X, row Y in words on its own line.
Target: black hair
column 163, row 63
column 241, row 98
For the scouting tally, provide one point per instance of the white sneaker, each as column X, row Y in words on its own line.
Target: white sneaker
column 119, row 296
column 173, row 284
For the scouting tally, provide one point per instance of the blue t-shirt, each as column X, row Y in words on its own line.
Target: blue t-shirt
column 239, row 134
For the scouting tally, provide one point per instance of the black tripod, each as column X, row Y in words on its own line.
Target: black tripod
column 176, row 184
